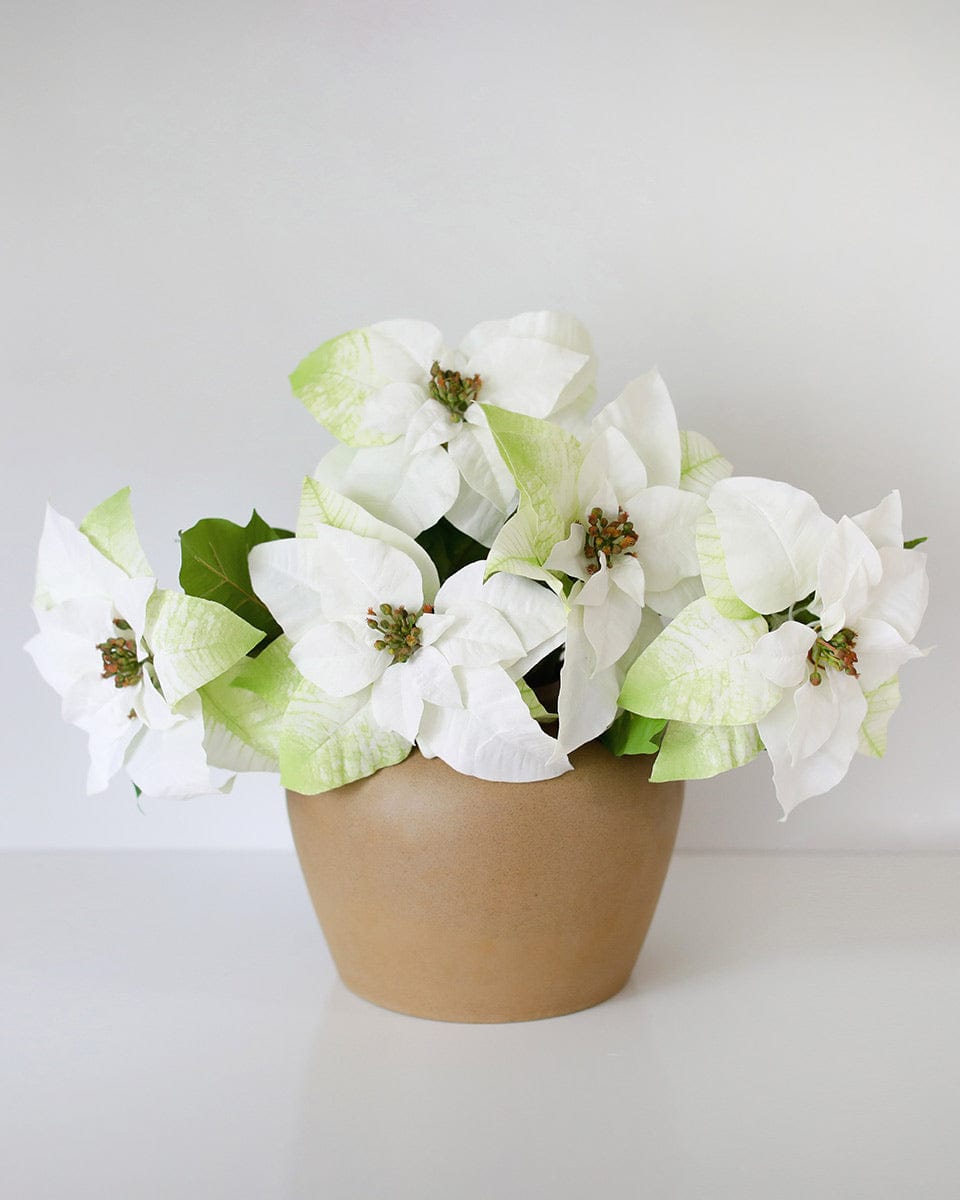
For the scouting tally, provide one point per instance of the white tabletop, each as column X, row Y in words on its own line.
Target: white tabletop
column 172, row 1027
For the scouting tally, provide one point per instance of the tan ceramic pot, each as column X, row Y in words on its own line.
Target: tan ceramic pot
column 447, row 897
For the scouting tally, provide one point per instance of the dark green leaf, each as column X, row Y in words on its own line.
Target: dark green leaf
column 914, row 543
column 633, row 734
column 449, row 548
column 213, row 566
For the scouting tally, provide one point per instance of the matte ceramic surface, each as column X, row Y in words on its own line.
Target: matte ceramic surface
column 449, row 897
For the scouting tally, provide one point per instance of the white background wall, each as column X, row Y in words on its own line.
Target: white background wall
column 762, row 198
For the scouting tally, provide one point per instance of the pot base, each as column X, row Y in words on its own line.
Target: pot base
column 455, row 899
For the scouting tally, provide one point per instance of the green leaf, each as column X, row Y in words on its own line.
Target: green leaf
column 881, row 705
column 110, row 528
column 702, row 751
column 699, row 671
column 632, row 734
column 213, row 566
column 193, row 641
column 537, row 711
column 713, row 571
column 911, row 545
column 701, row 463
column 329, row 741
column 449, row 548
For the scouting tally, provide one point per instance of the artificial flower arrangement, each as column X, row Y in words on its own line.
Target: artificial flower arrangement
column 484, row 572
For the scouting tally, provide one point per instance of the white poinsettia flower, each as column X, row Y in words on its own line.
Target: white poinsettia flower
column 869, row 600
column 436, row 670
column 127, row 658
column 610, row 514
column 417, row 445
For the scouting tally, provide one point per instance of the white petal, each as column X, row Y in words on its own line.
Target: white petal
column 130, row 600
column 817, row 714
column 333, row 575
column 478, row 637
column 771, row 535
column 68, row 566
column 881, row 652
column 611, row 472
column 435, row 678
column 848, row 569
column 339, row 657
column 610, row 628
column 151, row 707
column 475, row 516
column 107, row 752
column 587, row 703
column 628, row 575
column 525, row 375
column 595, row 591
column 493, row 736
column 900, row 598
column 568, row 557
column 411, row 492
column 478, row 460
column 644, row 413
column 431, row 425
column 883, row 525
column 781, row 656
column 556, row 328
column 172, row 762
column 396, row 701
column 387, row 413
column 92, row 703
column 321, row 506
column 665, row 522
column 823, row 770
column 65, row 649
column 674, row 600
column 421, row 340
column 535, row 613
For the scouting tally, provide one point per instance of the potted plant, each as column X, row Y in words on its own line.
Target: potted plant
column 501, row 635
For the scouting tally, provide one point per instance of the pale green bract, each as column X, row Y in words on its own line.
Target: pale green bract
column 327, row 741
column 193, row 641
column 701, row 463
column 544, row 460
column 702, row 751
column 111, row 529
column 882, row 702
column 699, row 671
column 244, row 710
column 338, row 378
column 713, row 571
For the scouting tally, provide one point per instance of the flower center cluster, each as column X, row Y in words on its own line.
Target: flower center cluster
column 455, row 393
column 838, row 653
column 608, row 538
column 400, row 633
column 120, row 662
